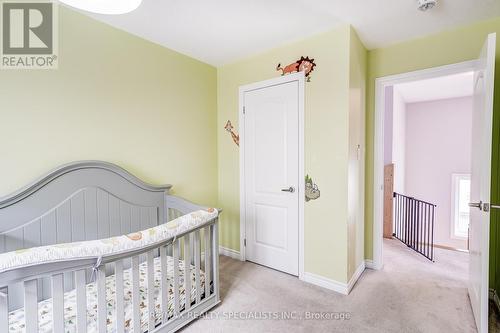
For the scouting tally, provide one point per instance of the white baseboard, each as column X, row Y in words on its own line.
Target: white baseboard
column 369, row 264
column 324, row 282
column 340, row 287
column 229, row 253
column 355, row 276
column 318, row 280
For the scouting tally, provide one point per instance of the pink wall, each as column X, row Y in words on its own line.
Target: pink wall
column 438, row 144
column 388, row 126
column 399, row 141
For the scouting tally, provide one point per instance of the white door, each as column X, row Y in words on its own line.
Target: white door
column 271, row 173
column 479, row 227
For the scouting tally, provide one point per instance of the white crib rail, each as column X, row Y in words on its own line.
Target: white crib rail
column 151, row 286
column 176, row 250
column 81, row 301
column 197, row 255
column 31, row 305
column 101, row 301
column 188, row 254
column 58, row 303
column 164, row 282
column 4, row 311
column 187, row 265
column 120, row 307
column 136, row 311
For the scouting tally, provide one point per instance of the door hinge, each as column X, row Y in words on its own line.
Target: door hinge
column 245, row 242
column 243, row 110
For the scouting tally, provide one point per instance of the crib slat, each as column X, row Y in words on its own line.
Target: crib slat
column 136, row 311
column 208, row 261
column 197, row 249
column 176, row 251
column 187, row 269
column 120, row 314
column 151, row 288
column 31, row 306
column 58, row 303
column 81, row 302
column 215, row 256
column 4, row 311
column 164, row 282
column 101, row 299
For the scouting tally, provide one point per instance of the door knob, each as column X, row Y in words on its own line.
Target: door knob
column 476, row 205
column 484, row 206
column 291, row 189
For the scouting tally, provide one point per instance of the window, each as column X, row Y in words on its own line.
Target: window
column 460, row 191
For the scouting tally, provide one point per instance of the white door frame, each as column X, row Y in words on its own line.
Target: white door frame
column 299, row 77
column 378, row 146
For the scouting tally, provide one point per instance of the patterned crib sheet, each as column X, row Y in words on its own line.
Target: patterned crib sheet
column 17, row 319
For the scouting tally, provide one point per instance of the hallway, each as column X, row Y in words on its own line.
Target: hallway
column 411, row 294
column 435, row 293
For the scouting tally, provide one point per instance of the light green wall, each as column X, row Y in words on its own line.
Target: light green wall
column 115, row 97
column 448, row 47
column 162, row 118
column 357, row 107
column 326, row 145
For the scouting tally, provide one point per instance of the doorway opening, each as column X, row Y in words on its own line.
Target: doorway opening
column 423, row 159
column 483, row 69
column 427, row 163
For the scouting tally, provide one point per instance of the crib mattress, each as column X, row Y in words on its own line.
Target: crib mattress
column 17, row 319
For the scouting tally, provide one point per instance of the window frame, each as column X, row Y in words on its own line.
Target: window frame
column 455, row 179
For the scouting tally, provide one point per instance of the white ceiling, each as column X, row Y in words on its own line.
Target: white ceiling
column 223, row 31
column 452, row 86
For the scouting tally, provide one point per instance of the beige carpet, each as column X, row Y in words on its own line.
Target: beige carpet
column 411, row 294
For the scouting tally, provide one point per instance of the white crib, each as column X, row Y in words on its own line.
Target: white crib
column 160, row 287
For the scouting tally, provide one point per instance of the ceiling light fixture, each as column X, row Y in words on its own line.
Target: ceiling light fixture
column 110, row 7
column 425, row 5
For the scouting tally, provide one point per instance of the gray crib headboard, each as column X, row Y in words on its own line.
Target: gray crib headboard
column 79, row 201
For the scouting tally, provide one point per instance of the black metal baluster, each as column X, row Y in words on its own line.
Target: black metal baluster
column 413, row 222
column 399, row 217
column 432, row 236
column 396, row 217
column 401, row 209
column 401, row 202
column 429, row 230
column 426, row 246
column 407, row 221
column 410, row 222
column 421, row 227
column 418, row 226
column 421, row 221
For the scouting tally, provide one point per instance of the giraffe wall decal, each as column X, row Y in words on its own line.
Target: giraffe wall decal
column 229, row 127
